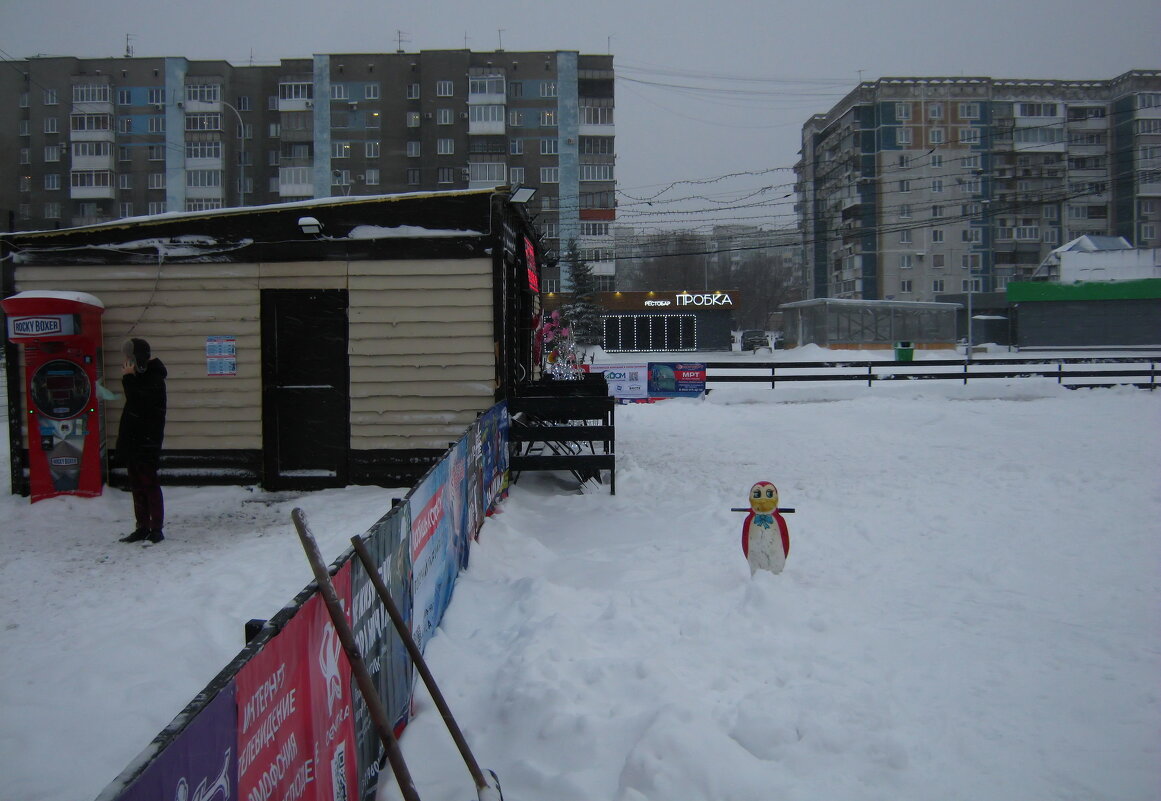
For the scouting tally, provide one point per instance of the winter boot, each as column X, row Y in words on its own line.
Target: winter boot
column 154, row 536
column 137, row 536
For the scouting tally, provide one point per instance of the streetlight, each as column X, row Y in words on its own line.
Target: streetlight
column 241, row 154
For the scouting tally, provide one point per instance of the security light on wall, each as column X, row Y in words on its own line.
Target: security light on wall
column 309, row 225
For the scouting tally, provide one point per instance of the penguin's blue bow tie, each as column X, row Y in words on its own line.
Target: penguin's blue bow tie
column 765, row 521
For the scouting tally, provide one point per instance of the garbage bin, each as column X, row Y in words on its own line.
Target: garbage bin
column 904, row 351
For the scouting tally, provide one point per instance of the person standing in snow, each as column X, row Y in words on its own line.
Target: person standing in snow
column 139, row 437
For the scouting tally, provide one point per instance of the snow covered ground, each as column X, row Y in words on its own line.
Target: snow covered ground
column 969, row 610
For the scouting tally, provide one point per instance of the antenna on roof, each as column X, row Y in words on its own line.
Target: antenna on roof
column 129, row 37
column 399, row 40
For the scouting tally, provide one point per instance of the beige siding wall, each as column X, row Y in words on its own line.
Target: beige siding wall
column 421, row 355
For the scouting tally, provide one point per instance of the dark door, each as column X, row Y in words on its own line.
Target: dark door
column 305, row 400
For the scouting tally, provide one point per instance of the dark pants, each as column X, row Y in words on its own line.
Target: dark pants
column 148, row 505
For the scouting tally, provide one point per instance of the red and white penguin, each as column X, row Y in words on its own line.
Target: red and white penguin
column 765, row 539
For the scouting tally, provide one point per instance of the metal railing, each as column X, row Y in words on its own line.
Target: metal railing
column 1069, row 371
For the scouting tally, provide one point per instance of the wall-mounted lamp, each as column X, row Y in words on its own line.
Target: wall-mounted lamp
column 309, row 225
column 522, row 194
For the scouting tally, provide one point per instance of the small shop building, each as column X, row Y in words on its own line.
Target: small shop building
column 313, row 344
column 849, row 324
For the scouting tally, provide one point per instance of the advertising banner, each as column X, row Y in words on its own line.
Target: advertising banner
column 625, row 380
column 676, row 380
column 200, row 763
column 433, row 557
column 493, row 434
column 388, row 541
column 295, row 732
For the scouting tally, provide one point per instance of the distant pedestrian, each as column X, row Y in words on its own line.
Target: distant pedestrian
column 139, row 437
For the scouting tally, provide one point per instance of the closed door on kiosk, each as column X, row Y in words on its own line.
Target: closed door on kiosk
column 305, row 375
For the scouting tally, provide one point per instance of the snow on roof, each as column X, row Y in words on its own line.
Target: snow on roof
column 75, row 297
column 1092, row 243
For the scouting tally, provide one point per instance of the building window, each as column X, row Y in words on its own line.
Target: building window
column 937, row 211
column 90, row 122
column 445, row 116
column 903, row 136
column 902, row 111
column 1148, row 232
column 412, row 176
column 904, row 210
column 548, row 88
column 516, row 118
column 200, row 122
column 936, row 136
column 972, row 235
column 50, row 97
column 340, row 150
column 371, row 149
column 157, row 180
column 935, row 111
column 340, row 177
column 203, row 92
column 156, row 125
column 492, row 172
column 548, row 119
column 445, row 147
column 486, row 85
column 371, row 91
column 937, row 260
column 936, row 236
column 52, row 153
column 202, row 178
column 371, row 176
column 905, row 237
column 52, row 211
column 969, row 136
column 126, row 209
column 937, row 160
column 156, row 152
column 203, row 150
column 596, row 172
column 550, row 175
column 412, row 91
column 970, row 162
column 91, row 93
column 413, row 150
column 905, row 261
column 444, row 88
column 86, row 178
column 52, row 180
column 549, row 147
column 516, row 147
column 969, row 111
column 937, row 285
column 1036, row 110
column 157, row 207
column 447, row 175
column 338, row 91
column 596, row 115
column 937, row 185
column 972, row 261
column 296, row 90
column 486, row 113
column 516, row 175
column 594, row 229
column 905, row 186
column 905, row 286
column 125, row 181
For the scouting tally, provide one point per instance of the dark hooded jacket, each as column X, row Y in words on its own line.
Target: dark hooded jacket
column 143, row 418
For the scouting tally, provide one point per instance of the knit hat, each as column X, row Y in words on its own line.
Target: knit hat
column 136, row 351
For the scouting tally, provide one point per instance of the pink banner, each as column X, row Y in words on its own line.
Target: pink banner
column 296, row 738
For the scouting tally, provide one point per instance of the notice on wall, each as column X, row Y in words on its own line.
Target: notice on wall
column 221, row 355
column 676, row 380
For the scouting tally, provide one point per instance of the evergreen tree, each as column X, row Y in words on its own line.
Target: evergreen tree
column 583, row 313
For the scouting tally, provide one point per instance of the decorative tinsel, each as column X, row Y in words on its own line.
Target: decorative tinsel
column 562, row 361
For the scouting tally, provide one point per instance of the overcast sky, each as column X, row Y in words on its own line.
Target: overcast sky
column 706, row 88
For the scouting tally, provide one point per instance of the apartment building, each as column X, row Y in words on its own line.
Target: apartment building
column 911, row 188
column 95, row 140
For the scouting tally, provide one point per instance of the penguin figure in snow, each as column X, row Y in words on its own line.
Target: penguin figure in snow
column 765, row 539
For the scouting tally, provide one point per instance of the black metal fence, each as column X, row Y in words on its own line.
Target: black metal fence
column 1068, row 371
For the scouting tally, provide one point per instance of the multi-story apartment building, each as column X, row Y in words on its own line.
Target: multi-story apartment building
column 910, row 188
column 94, row 140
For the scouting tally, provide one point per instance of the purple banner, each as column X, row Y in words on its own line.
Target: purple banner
column 200, row 764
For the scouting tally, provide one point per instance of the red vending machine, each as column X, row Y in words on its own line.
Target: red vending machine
column 61, row 335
